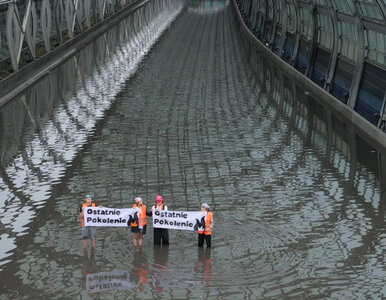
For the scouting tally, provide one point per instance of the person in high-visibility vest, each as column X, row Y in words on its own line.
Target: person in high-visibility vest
column 139, row 227
column 88, row 232
column 205, row 233
column 160, row 233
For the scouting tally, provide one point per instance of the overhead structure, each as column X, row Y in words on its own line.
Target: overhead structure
column 40, row 24
column 339, row 44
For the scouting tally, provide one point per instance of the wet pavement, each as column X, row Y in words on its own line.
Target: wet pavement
column 298, row 197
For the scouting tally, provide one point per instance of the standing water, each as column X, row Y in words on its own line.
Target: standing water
column 296, row 194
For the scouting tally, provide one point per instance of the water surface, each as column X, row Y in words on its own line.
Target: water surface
column 298, row 197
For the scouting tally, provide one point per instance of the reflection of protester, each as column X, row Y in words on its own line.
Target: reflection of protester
column 205, row 233
column 139, row 227
column 204, row 263
column 161, row 261
column 88, row 232
column 139, row 271
column 160, row 233
column 89, row 265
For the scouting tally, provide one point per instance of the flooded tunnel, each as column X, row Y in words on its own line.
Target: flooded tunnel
column 173, row 101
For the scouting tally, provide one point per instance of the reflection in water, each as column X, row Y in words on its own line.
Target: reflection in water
column 204, row 263
column 89, row 269
column 140, row 269
column 161, row 274
column 298, row 196
column 107, row 281
column 41, row 136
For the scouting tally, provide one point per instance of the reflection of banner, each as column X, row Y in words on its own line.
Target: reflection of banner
column 104, row 281
column 102, row 216
column 183, row 220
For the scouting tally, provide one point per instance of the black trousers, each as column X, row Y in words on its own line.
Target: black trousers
column 206, row 237
column 161, row 234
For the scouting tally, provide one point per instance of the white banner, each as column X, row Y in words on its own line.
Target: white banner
column 115, row 217
column 104, row 281
column 183, row 220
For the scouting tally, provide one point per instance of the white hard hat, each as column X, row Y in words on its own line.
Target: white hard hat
column 205, row 205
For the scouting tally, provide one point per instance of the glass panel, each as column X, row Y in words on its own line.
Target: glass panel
column 270, row 9
column 376, row 49
column 325, row 36
column 343, row 6
column 348, row 40
column 276, row 42
column 280, row 13
column 319, row 72
column 262, row 6
column 289, row 47
column 305, row 23
column 369, row 9
column 341, row 83
column 302, row 56
column 371, row 93
column 291, row 20
column 320, row 2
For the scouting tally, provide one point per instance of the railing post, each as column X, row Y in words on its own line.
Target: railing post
column 59, row 20
column 45, row 22
column 16, row 32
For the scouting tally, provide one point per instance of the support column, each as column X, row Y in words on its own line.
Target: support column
column 297, row 34
column 334, row 54
column 311, row 58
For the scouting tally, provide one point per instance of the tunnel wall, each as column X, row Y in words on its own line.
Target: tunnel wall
column 339, row 45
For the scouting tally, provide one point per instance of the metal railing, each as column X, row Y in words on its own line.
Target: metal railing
column 30, row 28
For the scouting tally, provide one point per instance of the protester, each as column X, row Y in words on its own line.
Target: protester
column 160, row 233
column 88, row 232
column 205, row 232
column 139, row 227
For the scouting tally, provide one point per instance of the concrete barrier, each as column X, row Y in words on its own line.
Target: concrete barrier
column 368, row 131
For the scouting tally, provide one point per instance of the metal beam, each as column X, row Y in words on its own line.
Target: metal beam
column 334, row 54
column 283, row 28
column 297, row 33
column 274, row 23
column 312, row 55
column 23, row 30
column 354, row 89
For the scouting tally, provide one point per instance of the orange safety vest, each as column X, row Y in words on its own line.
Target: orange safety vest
column 208, row 222
column 85, row 205
column 142, row 218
